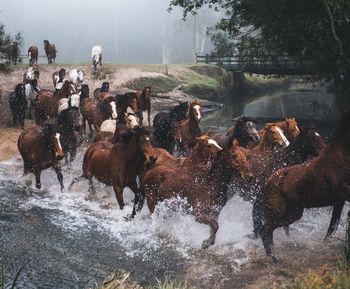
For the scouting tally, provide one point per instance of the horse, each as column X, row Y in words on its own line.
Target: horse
column 189, row 127
column 110, row 130
column 244, row 132
column 273, row 138
column 207, row 195
column 40, row 149
column 50, row 51
column 87, row 108
column 322, row 181
column 289, row 127
column 13, row 52
column 104, row 109
column 308, row 144
column 30, row 81
column 144, row 103
column 46, row 102
column 96, row 55
column 68, row 121
column 76, row 76
column 58, row 78
column 125, row 101
column 18, row 105
column 165, row 133
column 117, row 164
column 33, row 53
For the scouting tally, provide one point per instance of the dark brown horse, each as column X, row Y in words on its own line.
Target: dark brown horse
column 13, row 52
column 33, row 53
column 68, row 121
column 46, row 102
column 117, row 164
column 18, row 105
column 144, row 103
column 105, row 109
column 40, row 149
column 50, row 50
column 323, row 181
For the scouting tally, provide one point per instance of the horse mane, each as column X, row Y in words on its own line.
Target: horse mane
column 178, row 112
column 237, row 131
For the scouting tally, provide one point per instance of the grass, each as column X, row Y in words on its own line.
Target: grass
column 328, row 277
column 159, row 84
column 170, row 284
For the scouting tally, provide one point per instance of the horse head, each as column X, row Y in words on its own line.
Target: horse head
column 52, row 137
column 274, row 137
column 290, row 128
column 245, row 132
column 179, row 112
column 195, row 110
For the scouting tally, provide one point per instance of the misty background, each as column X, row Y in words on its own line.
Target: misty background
column 129, row 31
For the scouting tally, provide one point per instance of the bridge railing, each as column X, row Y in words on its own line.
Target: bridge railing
column 266, row 63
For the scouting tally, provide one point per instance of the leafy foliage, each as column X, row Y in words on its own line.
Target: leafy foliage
column 5, row 43
column 316, row 31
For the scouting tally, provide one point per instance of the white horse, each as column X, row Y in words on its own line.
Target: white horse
column 76, row 76
column 96, row 55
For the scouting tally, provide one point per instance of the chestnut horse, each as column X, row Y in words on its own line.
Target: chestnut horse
column 144, row 103
column 40, row 149
column 206, row 196
column 87, row 108
column 289, row 127
column 189, row 126
column 117, row 164
column 46, row 102
column 323, row 181
column 273, row 138
column 50, row 50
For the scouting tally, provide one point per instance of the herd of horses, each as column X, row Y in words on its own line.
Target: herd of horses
column 281, row 168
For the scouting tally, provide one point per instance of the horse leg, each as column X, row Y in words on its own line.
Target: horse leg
column 267, row 239
column 91, row 130
column 210, row 220
column 149, row 116
column 57, row 169
column 37, row 179
column 257, row 218
column 336, row 214
column 118, row 190
column 139, row 199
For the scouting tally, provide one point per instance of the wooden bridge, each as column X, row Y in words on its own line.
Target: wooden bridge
column 265, row 65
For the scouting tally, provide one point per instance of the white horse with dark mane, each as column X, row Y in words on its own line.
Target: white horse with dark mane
column 96, row 55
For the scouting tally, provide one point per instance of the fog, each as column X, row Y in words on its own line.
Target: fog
column 130, row 31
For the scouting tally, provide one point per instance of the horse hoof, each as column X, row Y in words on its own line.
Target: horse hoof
column 122, row 206
column 207, row 243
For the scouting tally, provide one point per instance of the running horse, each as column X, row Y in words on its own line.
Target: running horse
column 289, row 127
column 46, row 102
column 323, row 181
column 40, row 149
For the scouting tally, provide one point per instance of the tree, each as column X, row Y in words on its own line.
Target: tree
column 6, row 42
column 316, row 31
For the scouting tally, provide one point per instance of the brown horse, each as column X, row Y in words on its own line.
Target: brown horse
column 50, row 50
column 289, row 127
column 189, row 127
column 117, row 164
column 272, row 139
column 33, row 53
column 46, row 102
column 58, row 77
column 105, row 109
column 144, row 103
column 40, row 149
column 323, row 181
column 207, row 195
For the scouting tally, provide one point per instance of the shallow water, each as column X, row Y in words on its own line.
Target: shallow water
column 74, row 239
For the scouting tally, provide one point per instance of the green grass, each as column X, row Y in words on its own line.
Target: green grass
column 265, row 84
column 159, row 84
column 335, row 277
